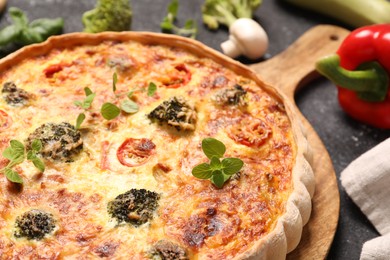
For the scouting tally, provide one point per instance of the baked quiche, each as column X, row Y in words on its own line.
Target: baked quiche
column 146, row 146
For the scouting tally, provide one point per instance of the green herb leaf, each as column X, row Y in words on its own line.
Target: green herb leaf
column 218, row 172
column 36, row 145
column 31, row 155
column 166, row 24
column 152, row 88
column 202, row 171
column 13, row 176
column 215, row 163
column 38, row 163
column 9, row 34
column 231, row 165
column 218, row 179
column 114, row 81
column 15, row 152
column 8, row 153
column 129, row 106
column 87, row 91
column 173, row 7
column 80, row 120
column 109, row 111
column 17, row 146
column 212, row 147
column 130, row 94
column 78, row 103
column 88, row 101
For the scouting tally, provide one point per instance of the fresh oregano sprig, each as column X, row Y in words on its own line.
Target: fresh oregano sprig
column 218, row 171
column 16, row 154
column 109, row 110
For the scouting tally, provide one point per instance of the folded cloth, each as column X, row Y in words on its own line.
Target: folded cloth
column 376, row 249
column 367, row 180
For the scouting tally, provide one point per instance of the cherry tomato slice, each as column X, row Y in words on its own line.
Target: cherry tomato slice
column 5, row 120
column 180, row 77
column 54, row 68
column 251, row 132
column 134, row 152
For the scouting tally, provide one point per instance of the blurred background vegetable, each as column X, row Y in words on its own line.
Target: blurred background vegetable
column 108, row 15
column 246, row 37
column 355, row 13
column 21, row 32
column 168, row 24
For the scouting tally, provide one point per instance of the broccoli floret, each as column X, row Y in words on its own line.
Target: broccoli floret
column 234, row 96
column 60, row 142
column 34, row 224
column 108, row 15
column 135, row 206
column 14, row 95
column 216, row 12
column 166, row 250
column 176, row 112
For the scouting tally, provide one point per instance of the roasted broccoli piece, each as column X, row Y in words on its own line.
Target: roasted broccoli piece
column 166, row 250
column 14, row 95
column 234, row 96
column 60, row 142
column 176, row 112
column 108, row 15
column 34, row 224
column 135, row 206
column 216, row 12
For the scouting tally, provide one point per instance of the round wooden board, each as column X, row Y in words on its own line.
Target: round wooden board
column 289, row 71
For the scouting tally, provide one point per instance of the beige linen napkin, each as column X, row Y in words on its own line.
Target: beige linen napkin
column 367, row 181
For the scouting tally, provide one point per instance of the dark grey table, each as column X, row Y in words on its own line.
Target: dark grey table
column 344, row 138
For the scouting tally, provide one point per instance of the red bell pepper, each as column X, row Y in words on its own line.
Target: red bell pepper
column 361, row 71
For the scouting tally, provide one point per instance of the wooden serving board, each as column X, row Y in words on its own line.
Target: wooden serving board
column 289, row 71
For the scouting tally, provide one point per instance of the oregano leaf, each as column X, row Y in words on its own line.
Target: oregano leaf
column 13, row 176
column 212, row 147
column 129, row 106
column 87, row 91
column 231, row 166
column 38, row 163
column 31, row 155
column 8, row 153
column 152, row 88
column 218, row 179
column 17, row 146
column 114, row 81
column 202, row 171
column 109, row 111
column 36, row 145
column 88, row 101
column 80, row 119
column 215, row 163
column 78, row 103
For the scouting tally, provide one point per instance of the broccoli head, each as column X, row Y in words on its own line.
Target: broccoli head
column 217, row 12
column 166, row 250
column 34, row 224
column 13, row 95
column 234, row 96
column 135, row 206
column 60, row 142
column 176, row 112
column 108, row 15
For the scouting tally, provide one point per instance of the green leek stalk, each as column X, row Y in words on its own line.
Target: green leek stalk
column 355, row 13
